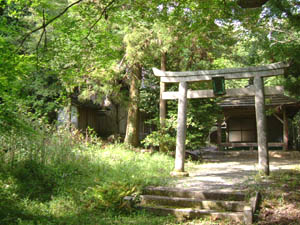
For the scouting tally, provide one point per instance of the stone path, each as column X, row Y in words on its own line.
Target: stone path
column 232, row 171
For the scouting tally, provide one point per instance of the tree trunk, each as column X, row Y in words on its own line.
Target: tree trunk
column 162, row 103
column 132, row 128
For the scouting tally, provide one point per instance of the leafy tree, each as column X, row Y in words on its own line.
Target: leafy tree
column 104, row 48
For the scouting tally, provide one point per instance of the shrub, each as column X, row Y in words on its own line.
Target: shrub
column 110, row 195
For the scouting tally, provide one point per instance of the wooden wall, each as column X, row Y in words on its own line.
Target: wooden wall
column 88, row 117
column 109, row 122
column 243, row 129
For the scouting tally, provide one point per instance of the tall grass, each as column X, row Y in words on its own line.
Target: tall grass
column 57, row 176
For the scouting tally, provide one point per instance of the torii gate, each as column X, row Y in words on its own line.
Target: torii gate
column 258, row 91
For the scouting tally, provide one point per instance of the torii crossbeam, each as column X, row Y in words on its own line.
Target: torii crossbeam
column 258, row 91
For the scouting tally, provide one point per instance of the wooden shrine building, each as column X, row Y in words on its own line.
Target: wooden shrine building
column 218, row 77
column 238, row 129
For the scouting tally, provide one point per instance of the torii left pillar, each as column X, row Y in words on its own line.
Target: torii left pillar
column 181, row 131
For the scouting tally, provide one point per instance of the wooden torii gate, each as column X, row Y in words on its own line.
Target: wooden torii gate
column 258, row 91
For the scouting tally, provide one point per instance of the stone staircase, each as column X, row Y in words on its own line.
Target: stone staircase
column 190, row 204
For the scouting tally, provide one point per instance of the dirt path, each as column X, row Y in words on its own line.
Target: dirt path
column 232, row 171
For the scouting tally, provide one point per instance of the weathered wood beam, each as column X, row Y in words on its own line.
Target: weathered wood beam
column 219, row 134
column 236, row 92
column 181, row 128
column 241, row 75
column 261, row 125
column 222, row 72
column 277, row 117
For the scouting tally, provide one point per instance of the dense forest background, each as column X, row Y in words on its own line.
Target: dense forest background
column 53, row 50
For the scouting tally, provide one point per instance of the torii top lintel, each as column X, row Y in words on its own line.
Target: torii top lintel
column 230, row 73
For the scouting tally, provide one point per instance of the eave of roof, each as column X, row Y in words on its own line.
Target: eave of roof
column 248, row 101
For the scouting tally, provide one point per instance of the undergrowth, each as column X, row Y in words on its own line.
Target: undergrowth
column 57, row 176
column 280, row 196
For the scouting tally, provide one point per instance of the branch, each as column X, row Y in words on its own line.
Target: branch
column 39, row 42
column 100, row 17
column 251, row 3
column 49, row 22
column 122, row 61
column 43, row 33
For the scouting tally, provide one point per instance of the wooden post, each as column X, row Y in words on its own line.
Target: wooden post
column 181, row 130
column 162, row 115
column 285, row 130
column 219, row 134
column 162, row 105
column 261, row 124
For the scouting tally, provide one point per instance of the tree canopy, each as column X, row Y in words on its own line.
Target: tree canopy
column 52, row 50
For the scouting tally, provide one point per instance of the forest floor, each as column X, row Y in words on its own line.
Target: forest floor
column 237, row 171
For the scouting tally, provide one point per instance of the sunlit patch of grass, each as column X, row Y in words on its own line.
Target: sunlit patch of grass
column 80, row 184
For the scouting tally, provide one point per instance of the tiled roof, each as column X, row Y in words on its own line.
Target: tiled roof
column 273, row 100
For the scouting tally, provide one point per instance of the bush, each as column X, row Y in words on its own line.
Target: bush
column 157, row 138
column 110, row 195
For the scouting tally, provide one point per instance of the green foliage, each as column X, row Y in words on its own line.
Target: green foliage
column 202, row 115
column 161, row 137
column 198, row 125
column 110, row 195
column 54, row 176
column 12, row 67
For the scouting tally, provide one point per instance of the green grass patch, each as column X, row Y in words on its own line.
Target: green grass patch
column 78, row 183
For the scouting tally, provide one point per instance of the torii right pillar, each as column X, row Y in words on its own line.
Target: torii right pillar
column 261, row 124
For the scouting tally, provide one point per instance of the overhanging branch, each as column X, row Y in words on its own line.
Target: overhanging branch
column 48, row 22
column 100, row 17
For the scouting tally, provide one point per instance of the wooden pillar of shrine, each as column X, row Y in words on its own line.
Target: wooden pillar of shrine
column 181, row 130
column 219, row 134
column 261, row 124
column 285, row 130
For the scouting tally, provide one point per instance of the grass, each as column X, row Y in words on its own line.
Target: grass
column 280, row 197
column 61, row 178
column 75, row 182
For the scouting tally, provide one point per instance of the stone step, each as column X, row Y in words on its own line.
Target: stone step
column 180, row 202
column 194, row 193
column 189, row 213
